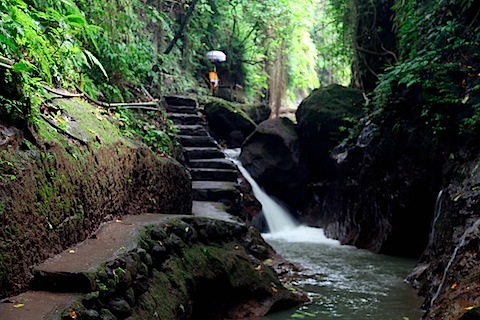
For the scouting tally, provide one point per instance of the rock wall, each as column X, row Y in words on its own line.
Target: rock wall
column 272, row 156
column 55, row 191
column 381, row 196
column 447, row 273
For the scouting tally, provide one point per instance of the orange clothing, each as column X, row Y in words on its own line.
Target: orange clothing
column 213, row 77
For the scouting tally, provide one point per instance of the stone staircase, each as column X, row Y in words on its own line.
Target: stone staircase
column 59, row 281
column 214, row 178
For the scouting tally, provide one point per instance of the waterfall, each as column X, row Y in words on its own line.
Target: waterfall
column 281, row 224
column 436, row 214
column 278, row 218
column 461, row 243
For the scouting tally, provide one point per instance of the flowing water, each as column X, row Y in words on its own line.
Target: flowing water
column 342, row 282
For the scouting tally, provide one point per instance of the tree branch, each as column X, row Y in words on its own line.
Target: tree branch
column 180, row 30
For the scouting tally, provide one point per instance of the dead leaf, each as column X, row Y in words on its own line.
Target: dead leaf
column 18, row 305
column 73, row 314
column 469, row 308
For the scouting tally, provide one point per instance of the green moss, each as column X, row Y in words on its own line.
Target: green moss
column 48, row 133
column 219, row 105
column 88, row 123
column 163, row 299
column 288, row 125
column 224, row 268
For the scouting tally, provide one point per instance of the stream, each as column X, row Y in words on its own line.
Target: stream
column 342, row 282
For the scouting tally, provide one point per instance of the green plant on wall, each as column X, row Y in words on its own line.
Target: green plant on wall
column 438, row 65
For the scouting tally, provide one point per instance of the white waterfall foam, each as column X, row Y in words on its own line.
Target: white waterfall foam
column 281, row 224
column 436, row 214
column 278, row 218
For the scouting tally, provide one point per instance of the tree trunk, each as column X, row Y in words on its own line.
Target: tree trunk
column 182, row 27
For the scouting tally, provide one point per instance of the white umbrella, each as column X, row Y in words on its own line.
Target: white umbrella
column 216, row 56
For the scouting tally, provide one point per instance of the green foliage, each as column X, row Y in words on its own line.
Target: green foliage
column 439, row 67
column 112, row 49
column 154, row 129
column 44, row 40
column 332, row 33
column 8, row 172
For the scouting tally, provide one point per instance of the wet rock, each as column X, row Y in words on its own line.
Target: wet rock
column 91, row 299
column 272, row 156
column 120, row 308
column 174, row 242
column 159, row 254
column 258, row 112
column 322, row 120
column 224, row 118
column 89, row 314
column 129, row 296
column 158, row 233
column 106, row 314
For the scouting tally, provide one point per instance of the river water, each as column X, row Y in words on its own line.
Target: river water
column 342, row 282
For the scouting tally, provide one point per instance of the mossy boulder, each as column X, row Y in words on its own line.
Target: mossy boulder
column 324, row 119
column 217, row 273
column 232, row 94
column 228, row 122
column 272, row 156
column 258, row 112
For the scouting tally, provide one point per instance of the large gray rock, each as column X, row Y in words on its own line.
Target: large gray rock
column 228, row 122
column 258, row 112
column 272, row 156
column 324, row 120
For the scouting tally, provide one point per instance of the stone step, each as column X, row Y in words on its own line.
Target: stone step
column 220, row 163
column 197, row 141
column 214, row 174
column 191, row 130
column 178, row 100
column 36, row 305
column 185, row 118
column 111, row 240
column 214, row 210
column 215, row 191
column 192, row 153
column 182, row 109
column 73, row 270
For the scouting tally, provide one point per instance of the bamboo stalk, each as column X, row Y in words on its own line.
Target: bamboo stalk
column 119, row 104
column 6, row 66
column 84, row 142
column 7, row 61
column 63, row 94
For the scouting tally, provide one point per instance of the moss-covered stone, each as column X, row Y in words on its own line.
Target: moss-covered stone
column 324, row 119
column 228, row 122
column 63, row 188
column 213, row 277
column 258, row 112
